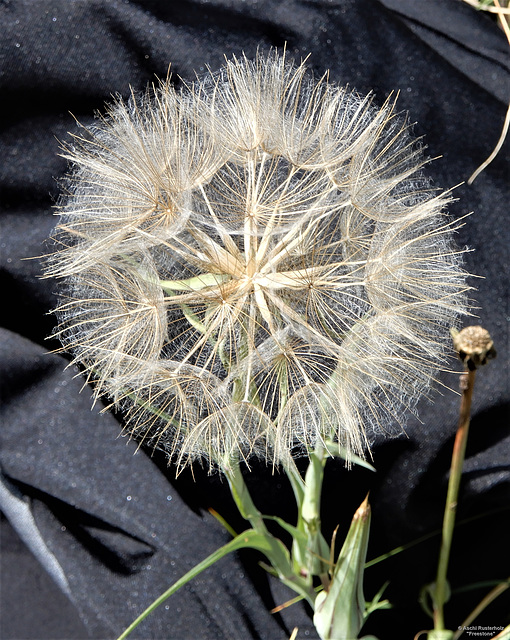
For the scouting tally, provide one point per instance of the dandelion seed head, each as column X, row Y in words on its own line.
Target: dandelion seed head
column 255, row 263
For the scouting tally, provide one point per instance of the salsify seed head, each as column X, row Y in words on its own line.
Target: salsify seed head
column 254, row 263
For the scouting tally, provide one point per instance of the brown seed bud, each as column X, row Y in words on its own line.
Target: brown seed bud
column 474, row 346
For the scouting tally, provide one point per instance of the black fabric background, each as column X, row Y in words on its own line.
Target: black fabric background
column 115, row 529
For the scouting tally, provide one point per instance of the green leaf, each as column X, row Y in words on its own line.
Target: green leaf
column 300, row 547
column 248, row 539
column 222, row 521
column 377, row 603
column 334, row 449
column 427, row 597
column 294, row 531
column 504, row 635
column 274, row 549
column 340, row 610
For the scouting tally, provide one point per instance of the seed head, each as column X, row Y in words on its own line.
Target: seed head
column 254, row 263
column 474, row 346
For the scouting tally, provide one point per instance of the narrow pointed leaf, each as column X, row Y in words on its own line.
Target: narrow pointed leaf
column 248, row 539
column 340, row 610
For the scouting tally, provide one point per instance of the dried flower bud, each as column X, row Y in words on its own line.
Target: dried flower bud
column 474, row 346
column 254, row 263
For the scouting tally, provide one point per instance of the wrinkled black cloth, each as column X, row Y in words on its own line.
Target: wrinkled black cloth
column 93, row 533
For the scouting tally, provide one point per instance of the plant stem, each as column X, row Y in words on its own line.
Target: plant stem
column 467, row 382
column 275, row 551
column 490, row 597
column 243, row 498
column 295, row 479
column 317, row 552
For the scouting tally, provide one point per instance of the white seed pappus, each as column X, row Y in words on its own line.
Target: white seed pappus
column 254, row 262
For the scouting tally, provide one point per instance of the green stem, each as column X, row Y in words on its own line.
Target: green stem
column 313, row 481
column 295, row 479
column 242, row 496
column 317, row 552
column 459, row 449
column 490, row 597
column 276, row 552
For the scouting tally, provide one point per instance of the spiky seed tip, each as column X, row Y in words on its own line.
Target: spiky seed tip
column 254, row 263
